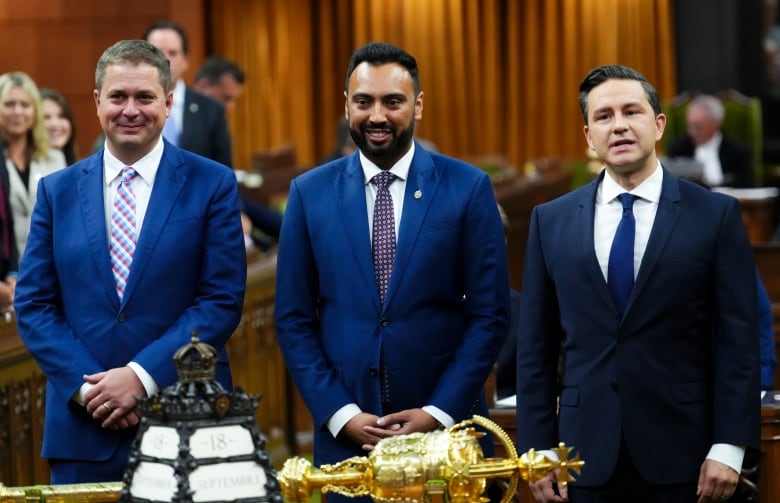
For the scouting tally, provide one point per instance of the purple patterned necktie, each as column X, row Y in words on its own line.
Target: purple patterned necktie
column 123, row 233
column 383, row 244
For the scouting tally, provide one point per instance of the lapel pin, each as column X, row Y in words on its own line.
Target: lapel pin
column 417, row 194
column 194, row 108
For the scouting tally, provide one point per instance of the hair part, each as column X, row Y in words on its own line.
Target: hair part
column 601, row 74
column 38, row 139
column 382, row 53
column 215, row 67
column 135, row 52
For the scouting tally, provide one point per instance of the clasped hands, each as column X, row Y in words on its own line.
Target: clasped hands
column 111, row 400
column 367, row 429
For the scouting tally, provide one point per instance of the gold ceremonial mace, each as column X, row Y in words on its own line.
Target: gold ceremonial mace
column 427, row 467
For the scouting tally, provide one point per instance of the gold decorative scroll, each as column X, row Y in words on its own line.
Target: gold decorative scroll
column 423, row 467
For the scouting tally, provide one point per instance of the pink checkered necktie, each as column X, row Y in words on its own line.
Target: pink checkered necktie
column 123, row 235
column 383, row 244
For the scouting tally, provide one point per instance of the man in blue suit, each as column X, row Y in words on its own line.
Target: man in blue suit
column 370, row 362
column 102, row 342
column 659, row 388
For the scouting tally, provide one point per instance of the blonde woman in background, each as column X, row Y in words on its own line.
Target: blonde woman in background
column 28, row 156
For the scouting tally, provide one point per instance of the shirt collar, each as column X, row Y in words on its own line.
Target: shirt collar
column 649, row 189
column 400, row 169
column 146, row 167
column 179, row 89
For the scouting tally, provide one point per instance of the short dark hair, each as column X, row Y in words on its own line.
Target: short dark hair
column 214, row 67
column 601, row 74
column 135, row 52
column 380, row 53
column 169, row 25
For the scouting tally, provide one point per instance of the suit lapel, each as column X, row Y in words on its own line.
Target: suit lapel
column 421, row 185
column 93, row 213
column 665, row 218
column 168, row 183
column 351, row 190
column 585, row 225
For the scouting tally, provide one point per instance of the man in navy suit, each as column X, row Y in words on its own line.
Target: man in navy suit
column 197, row 121
column 659, row 386
column 99, row 346
column 370, row 366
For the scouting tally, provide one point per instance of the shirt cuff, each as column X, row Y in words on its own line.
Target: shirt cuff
column 728, row 454
column 148, row 382
column 78, row 396
column 442, row 417
column 342, row 417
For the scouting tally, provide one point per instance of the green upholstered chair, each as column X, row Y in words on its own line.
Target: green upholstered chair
column 742, row 121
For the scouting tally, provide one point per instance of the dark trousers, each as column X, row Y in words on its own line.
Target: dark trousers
column 69, row 471
column 626, row 484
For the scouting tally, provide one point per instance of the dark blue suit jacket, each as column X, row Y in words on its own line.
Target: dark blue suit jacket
column 188, row 272
column 447, row 306
column 204, row 128
column 677, row 373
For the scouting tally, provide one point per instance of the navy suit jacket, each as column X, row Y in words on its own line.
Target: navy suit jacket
column 674, row 375
column 735, row 159
column 204, row 128
column 188, row 272
column 446, row 311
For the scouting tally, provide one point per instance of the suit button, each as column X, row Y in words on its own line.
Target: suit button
column 122, row 317
column 614, row 385
column 373, row 372
column 384, row 322
column 622, row 336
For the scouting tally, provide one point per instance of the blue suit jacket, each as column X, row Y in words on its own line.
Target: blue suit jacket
column 446, row 311
column 677, row 373
column 188, row 272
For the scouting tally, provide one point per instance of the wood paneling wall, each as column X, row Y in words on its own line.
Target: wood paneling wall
column 58, row 43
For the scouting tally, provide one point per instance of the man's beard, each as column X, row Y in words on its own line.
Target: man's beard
column 388, row 152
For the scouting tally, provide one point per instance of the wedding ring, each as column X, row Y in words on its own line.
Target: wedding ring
column 107, row 407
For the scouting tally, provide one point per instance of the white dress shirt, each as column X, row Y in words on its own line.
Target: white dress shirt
column 708, row 155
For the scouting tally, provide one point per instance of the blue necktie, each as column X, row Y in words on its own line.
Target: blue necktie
column 620, row 271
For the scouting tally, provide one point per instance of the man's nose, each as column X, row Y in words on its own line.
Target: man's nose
column 377, row 113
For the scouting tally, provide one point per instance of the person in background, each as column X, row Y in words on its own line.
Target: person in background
column 392, row 297
column 221, row 79
column 60, row 124
column 156, row 232
column 197, row 123
column 28, row 155
column 726, row 162
column 644, row 286
column 506, row 363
